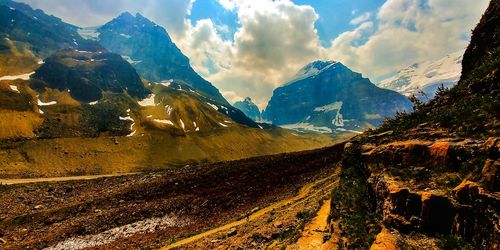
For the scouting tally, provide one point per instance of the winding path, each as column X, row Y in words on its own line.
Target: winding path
column 304, row 192
column 58, row 179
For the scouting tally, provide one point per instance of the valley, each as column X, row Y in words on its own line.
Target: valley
column 111, row 137
column 192, row 199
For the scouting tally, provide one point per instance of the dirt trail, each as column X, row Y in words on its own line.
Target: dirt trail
column 304, row 192
column 58, row 179
column 312, row 236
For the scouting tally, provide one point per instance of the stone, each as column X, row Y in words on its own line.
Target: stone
column 490, row 175
column 232, row 232
column 385, row 241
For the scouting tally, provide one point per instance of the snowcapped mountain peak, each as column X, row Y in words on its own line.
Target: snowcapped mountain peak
column 426, row 76
column 313, row 69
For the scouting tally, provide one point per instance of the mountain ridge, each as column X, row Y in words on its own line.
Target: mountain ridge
column 329, row 97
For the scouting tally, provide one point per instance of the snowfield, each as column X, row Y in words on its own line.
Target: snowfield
column 148, row 102
column 426, row 76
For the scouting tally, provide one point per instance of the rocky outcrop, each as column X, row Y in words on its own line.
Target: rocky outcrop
column 87, row 74
column 468, row 210
column 385, row 241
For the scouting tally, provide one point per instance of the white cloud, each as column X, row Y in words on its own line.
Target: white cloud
column 361, row 19
column 232, row 96
column 276, row 38
column 407, row 31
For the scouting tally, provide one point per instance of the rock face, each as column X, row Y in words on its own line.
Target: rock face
column 433, row 173
column 330, row 95
column 148, row 47
column 423, row 79
column 249, row 108
column 88, row 74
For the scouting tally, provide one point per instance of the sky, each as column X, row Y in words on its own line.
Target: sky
column 250, row 47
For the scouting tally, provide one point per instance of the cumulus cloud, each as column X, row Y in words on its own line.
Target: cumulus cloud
column 407, row 31
column 274, row 40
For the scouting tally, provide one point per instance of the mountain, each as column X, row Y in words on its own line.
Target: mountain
column 249, row 108
column 43, row 33
column 328, row 96
column 88, row 74
column 426, row 76
column 150, row 49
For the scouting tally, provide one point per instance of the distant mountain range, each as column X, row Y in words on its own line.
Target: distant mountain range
column 328, row 97
column 249, row 108
column 424, row 78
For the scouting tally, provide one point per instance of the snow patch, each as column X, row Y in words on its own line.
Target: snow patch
column 182, row 124
column 166, row 83
column 223, row 125
column 14, row 88
column 148, row 102
column 130, row 60
column 128, row 118
column 329, row 107
column 213, row 106
column 169, row 109
column 169, row 122
column 40, row 103
column 126, row 36
column 304, row 127
column 93, row 103
column 22, row 77
column 311, row 70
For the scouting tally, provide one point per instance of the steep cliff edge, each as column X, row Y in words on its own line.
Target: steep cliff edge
column 430, row 179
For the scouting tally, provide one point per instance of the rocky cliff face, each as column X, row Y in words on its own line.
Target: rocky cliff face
column 329, row 95
column 87, row 74
column 430, row 179
column 249, row 108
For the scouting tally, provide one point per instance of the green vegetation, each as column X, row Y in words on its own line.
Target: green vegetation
column 353, row 201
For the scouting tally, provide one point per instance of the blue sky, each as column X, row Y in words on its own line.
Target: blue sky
column 250, row 47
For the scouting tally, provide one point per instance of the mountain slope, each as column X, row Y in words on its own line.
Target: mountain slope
column 249, row 108
column 149, row 48
column 426, row 76
column 152, row 52
column 328, row 96
column 45, row 34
